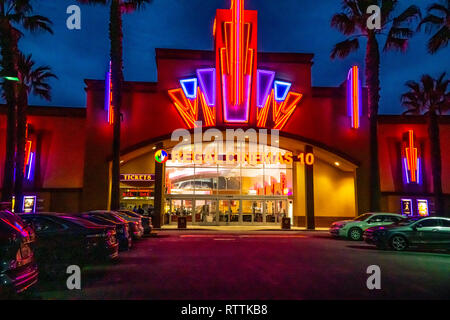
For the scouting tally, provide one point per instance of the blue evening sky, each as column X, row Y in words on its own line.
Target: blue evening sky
column 284, row 26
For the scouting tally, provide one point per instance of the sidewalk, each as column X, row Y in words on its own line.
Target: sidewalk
column 233, row 228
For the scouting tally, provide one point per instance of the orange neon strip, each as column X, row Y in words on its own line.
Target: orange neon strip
column 27, row 152
column 189, row 119
column 283, row 118
column 355, row 98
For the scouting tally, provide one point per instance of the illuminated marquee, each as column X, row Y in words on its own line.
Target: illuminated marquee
column 252, row 158
column 246, row 95
column 410, row 159
column 137, row 177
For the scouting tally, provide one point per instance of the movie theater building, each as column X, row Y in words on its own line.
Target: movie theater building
column 314, row 168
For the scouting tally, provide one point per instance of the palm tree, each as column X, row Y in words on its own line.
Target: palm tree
column 14, row 14
column 438, row 18
column 352, row 22
column 432, row 98
column 32, row 80
column 117, row 8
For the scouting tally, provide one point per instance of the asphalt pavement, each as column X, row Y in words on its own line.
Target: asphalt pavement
column 185, row 265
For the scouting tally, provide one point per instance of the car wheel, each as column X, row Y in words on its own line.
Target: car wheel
column 399, row 243
column 355, row 234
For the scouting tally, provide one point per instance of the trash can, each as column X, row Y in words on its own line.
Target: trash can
column 182, row 221
column 166, row 218
column 286, row 223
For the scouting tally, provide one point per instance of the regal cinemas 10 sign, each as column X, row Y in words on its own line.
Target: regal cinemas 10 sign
column 252, row 158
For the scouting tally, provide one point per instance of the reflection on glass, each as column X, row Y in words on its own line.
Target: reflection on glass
column 228, row 210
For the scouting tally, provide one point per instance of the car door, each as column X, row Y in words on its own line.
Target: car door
column 444, row 233
column 428, row 231
column 374, row 221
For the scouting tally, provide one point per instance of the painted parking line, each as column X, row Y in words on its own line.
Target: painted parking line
column 272, row 236
column 232, row 237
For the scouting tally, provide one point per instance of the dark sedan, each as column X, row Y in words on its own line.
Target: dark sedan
column 122, row 228
column 146, row 220
column 411, row 232
column 63, row 239
column 18, row 269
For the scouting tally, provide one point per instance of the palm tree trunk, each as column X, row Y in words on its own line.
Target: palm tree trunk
column 20, row 154
column 433, row 131
column 116, row 36
column 8, row 46
column 373, row 84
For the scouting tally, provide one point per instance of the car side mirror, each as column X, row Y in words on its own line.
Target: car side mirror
column 414, row 228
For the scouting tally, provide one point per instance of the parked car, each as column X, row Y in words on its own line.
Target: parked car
column 146, row 220
column 411, row 232
column 63, row 239
column 122, row 229
column 136, row 228
column 353, row 229
column 18, row 269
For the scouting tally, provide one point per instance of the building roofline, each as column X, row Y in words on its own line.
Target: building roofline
column 135, row 86
column 52, row 111
column 409, row 119
column 185, row 54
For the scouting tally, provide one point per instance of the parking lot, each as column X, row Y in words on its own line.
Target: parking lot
column 257, row 265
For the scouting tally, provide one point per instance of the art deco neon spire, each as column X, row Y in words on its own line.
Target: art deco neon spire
column 235, row 90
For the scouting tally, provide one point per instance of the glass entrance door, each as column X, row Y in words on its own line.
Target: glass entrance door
column 252, row 211
column 206, row 212
column 179, row 208
column 275, row 210
column 229, row 211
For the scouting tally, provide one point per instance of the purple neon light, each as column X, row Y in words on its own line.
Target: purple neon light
column 405, row 170
column 263, row 89
column 236, row 113
column 207, row 82
column 418, row 171
column 108, row 91
column 30, row 165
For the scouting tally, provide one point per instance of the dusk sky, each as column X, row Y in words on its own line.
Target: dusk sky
column 283, row 26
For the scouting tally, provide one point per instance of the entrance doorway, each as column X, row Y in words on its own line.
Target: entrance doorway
column 227, row 211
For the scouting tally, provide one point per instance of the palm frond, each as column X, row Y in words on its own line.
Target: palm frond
column 410, row 14
column 343, row 23
column 129, row 6
column 37, row 23
column 344, row 48
column 439, row 40
column 395, row 43
column 431, row 22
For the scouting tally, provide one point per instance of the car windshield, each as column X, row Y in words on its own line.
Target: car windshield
column 363, row 217
column 14, row 222
column 110, row 216
column 80, row 222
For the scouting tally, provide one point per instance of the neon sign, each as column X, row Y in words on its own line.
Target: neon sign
column 243, row 88
column 252, row 158
column 137, row 177
column 108, row 95
column 410, row 159
column 354, row 98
